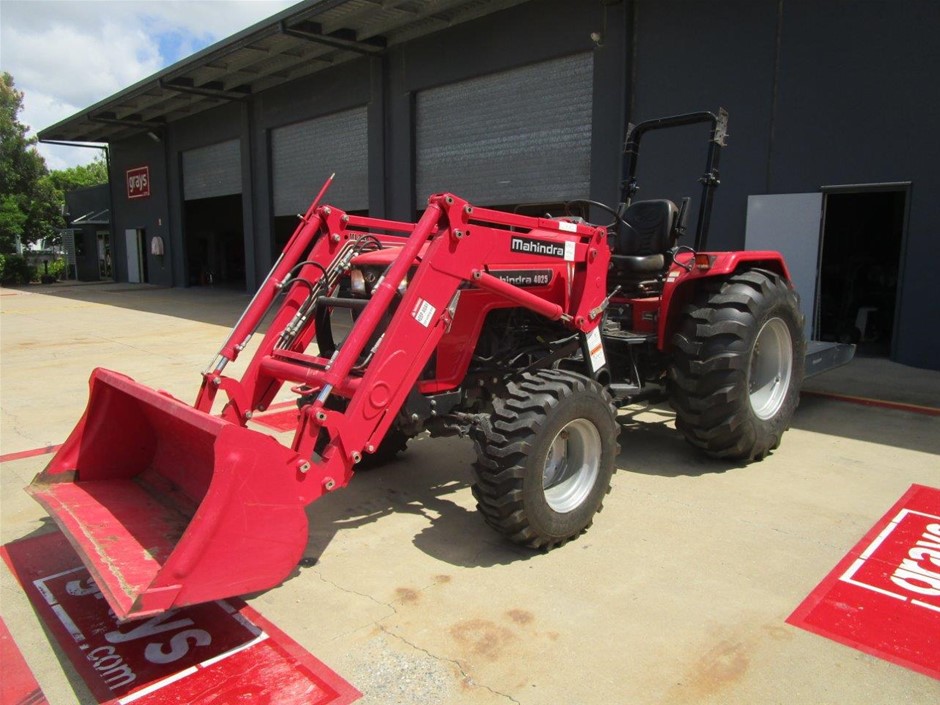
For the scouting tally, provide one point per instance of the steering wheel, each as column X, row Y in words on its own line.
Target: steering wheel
column 594, row 204
column 622, row 229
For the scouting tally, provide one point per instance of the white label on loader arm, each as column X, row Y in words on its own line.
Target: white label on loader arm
column 423, row 312
column 569, row 251
column 596, row 348
column 567, row 227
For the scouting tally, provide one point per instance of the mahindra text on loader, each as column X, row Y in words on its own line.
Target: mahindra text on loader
column 524, row 333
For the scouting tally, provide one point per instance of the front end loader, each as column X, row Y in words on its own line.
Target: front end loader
column 521, row 332
column 170, row 505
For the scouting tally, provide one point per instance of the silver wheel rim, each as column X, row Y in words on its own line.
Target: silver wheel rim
column 771, row 367
column 571, row 466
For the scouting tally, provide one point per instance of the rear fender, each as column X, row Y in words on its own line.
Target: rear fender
column 682, row 284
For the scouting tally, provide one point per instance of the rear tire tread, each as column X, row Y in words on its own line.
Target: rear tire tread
column 712, row 352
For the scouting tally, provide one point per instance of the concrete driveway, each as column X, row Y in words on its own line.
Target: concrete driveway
column 677, row 594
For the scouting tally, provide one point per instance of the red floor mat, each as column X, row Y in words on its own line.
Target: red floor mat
column 883, row 598
column 218, row 652
column 285, row 420
column 18, row 686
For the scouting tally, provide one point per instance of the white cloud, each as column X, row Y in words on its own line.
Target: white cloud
column 66, row 55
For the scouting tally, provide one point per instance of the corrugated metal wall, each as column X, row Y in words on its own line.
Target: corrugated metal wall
column 212, row 171
column 303, row 155
column 517, row 136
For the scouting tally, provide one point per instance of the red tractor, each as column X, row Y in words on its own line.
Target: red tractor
column 524, row 333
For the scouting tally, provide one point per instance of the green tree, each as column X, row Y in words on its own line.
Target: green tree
column 59, row 181
column 80, row 176
column 28, row 207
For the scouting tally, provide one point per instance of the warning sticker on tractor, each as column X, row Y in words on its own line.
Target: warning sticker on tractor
column 423, row 312
column 569, row 251
column 596, row 349
column 883, row 598
column 217, row 652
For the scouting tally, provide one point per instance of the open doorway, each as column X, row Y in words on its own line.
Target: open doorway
column 215, row 242
column 284, row 227
column 104, row 254
column 862, row 240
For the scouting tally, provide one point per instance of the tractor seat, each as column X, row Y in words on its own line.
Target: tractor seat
column 641, row 245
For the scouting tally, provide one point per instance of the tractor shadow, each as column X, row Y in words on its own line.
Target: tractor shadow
column 431, row 481
column 651, row 445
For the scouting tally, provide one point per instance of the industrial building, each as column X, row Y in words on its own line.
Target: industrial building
column 524, row 104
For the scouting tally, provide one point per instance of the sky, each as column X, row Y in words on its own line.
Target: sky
column 66, row 55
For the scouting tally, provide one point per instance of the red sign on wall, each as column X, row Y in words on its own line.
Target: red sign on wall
column 138, row 182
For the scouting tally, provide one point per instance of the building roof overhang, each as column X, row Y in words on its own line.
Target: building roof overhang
column 311, row 36
column 93, row 218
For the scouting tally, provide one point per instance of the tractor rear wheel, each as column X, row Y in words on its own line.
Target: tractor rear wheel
column 738, row 365
column 545, row 459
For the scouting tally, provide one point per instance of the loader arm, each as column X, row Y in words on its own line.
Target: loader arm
column 458, row 240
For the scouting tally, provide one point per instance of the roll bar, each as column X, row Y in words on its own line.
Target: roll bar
column 709, row 180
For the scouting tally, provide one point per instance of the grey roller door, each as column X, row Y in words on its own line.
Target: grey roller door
column 212, row 171
column 305, row 154
column 518, row 136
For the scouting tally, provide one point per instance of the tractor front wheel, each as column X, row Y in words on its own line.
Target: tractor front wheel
column 545, row 459
column 738, row 365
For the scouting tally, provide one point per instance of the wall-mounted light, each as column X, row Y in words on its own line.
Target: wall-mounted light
column 597, row 38
column 154, row 136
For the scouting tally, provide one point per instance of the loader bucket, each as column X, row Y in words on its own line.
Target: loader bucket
column 169, row 506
